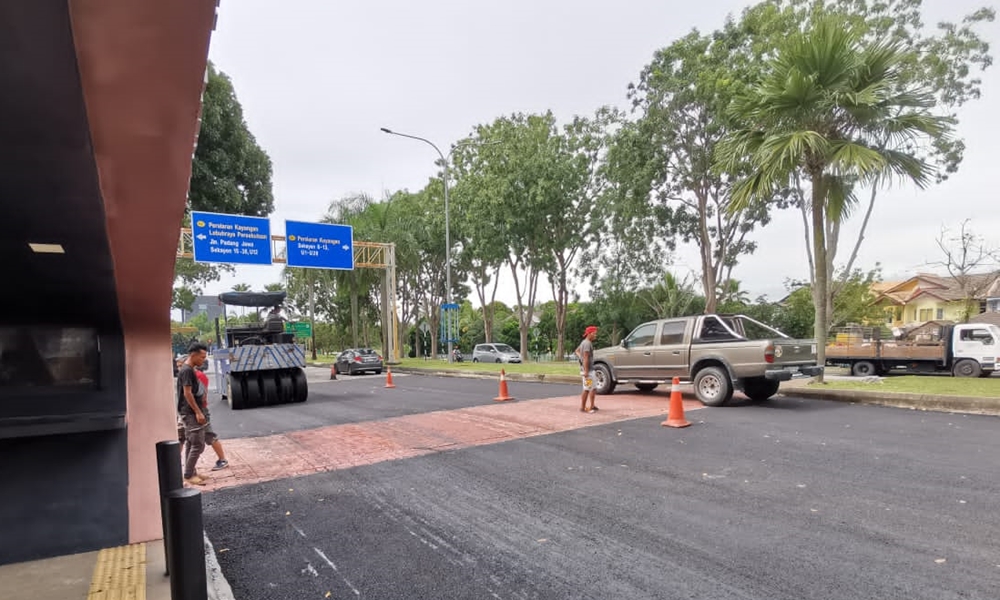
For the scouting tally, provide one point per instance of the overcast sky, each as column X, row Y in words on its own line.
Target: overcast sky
column 317, row 79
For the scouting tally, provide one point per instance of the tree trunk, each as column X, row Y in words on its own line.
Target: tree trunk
column 561, row 295
column 709, row 281
column 354, row 315
column 488, row 323
column 435, row 318
column 523, row 330
column 821, row 265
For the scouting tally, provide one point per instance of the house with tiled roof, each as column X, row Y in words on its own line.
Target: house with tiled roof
column 929, row 297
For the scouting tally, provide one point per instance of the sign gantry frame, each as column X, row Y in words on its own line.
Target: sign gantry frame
column 367, row 255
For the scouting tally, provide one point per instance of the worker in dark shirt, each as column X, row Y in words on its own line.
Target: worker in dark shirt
column 192, row 408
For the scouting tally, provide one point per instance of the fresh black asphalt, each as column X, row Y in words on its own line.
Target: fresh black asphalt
column 359, row 398
column 792, row 499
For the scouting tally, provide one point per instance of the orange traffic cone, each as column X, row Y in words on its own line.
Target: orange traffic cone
column 675, row 412
column 504, row 396
column 388, row 378
column 333, row 372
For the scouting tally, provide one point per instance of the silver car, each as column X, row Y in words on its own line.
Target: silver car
column 495, row 353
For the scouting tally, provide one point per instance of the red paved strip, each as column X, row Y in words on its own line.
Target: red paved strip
column 311, row 451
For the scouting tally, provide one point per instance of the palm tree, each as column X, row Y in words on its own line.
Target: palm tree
column 368, row 219
column 242, row 287
column 837, row 113
column 731, row 291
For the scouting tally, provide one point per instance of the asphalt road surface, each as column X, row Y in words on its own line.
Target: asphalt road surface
column 791, row 499
column 358, row 398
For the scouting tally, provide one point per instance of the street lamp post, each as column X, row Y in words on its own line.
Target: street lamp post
column 447, row 223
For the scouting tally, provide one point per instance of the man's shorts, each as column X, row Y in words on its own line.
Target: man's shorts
column 588, row 381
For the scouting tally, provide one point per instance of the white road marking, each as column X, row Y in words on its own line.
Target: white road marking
column 336, row 570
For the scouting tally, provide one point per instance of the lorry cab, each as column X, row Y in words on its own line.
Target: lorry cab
column 975, row 349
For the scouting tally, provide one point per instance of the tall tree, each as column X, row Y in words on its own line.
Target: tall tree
column 230, row 172
column 945, row 60
column 666, row 155
column 572, row 225
column 824, row 109
column 671, row 297
column 183, row 300
column 356, row 284
column 515, row 187
column 971, row 262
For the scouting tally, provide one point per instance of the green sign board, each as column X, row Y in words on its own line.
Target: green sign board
column 300, row 329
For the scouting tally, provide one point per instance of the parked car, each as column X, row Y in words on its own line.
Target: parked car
column 495, row 353
column 717, row 353
column 358, row 360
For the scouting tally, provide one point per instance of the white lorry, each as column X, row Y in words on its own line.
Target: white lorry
column 964, row 350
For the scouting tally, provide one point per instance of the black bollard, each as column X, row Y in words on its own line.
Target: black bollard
column 168, row 466
column 186, row 560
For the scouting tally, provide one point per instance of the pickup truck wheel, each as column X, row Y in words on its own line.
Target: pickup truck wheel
column 759, row 389
column 863, row 368
column 646, row 387
column 967, row 368
column 604, row 383
column 712, row 386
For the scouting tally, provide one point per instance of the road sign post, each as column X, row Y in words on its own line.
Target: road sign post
column 319, row 245
column 231, row 239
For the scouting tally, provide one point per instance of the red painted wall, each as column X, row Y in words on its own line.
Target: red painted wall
column 142, row 67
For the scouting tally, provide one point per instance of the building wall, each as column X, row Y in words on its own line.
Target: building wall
column 209, row 305
column 64, row 464
column 926, row 308
column 65, row 494
column 142, row 69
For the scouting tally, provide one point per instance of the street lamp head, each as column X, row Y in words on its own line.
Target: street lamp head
column 386, row 130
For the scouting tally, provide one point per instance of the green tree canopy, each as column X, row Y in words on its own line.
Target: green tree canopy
column 839, row 112
column 230, row 172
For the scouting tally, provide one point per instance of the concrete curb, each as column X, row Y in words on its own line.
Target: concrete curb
column 218, row 586
column 954, row 404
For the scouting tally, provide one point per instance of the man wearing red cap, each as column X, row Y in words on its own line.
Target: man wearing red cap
column 585, row 352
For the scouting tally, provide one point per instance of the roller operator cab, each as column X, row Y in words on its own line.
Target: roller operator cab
column 266, row 366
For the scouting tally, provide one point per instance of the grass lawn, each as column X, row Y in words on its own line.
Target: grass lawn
column 937, row 385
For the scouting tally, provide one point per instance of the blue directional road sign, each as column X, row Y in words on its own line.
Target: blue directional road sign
column 230, row 239
column 319, row 245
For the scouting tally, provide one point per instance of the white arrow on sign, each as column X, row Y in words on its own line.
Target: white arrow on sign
column 346, row 247
column 201, row 236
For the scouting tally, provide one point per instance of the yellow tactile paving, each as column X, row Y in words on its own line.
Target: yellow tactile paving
column 120, row 574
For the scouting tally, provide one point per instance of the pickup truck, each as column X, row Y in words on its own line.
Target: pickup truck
column 717, row 353
column 963, row 350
